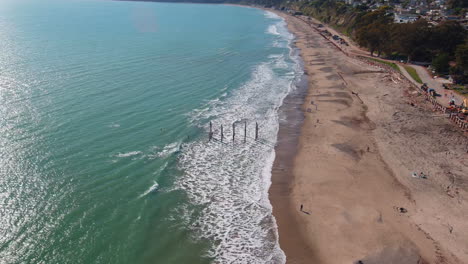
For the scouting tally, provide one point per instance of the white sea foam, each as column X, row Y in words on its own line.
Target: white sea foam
column 230, row 181
column 165, row 151
column 272, row 15
column 128, row 154
column 151, row 189
column 272, row 29
column 275, row 56
column 280, row 31
column 169, row 149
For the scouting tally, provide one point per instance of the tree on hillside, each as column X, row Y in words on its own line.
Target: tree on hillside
column 373, row 30
column 441, row 63
column 452, row 4
column 412, row 39
column 461, row 56
column 460, row 71
column 447, row 36
column 375, row 37
column 379, row 17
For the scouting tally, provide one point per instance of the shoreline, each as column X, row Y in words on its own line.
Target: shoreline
column 290, row 239
column 345, row 166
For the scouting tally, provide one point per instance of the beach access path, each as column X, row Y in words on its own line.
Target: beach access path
column 437, row 85
column 350, row 193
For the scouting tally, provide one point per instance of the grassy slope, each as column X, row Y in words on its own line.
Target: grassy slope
column 412, row 72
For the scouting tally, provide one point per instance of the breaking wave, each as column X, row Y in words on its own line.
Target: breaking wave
column 151, row 189
column 229, row 181
column 272, row 29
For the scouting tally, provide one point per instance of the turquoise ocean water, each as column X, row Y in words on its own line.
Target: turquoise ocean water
column 104, row 113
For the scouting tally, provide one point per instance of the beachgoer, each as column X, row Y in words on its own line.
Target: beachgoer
column 302, row 206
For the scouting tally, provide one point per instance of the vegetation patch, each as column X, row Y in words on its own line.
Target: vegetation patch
column 461, row 89
column 391, row 64
column 412, row 72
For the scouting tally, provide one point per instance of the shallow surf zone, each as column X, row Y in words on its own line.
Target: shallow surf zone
column 227, row 182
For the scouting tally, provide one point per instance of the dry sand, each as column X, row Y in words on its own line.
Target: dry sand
column 351, row 168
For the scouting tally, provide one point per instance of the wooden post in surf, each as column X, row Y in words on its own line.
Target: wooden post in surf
column 256, row 130
column 210, row 135
column 245, row 131
column 233, row 131
column 222, row 134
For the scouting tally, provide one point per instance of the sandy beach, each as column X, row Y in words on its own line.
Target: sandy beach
column 358, row 135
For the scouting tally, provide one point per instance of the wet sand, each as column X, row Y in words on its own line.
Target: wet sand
column 346, row 153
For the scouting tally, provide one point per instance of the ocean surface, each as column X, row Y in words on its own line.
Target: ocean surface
column 104, row 119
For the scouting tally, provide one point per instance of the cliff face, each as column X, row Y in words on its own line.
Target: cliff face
column 337, row 14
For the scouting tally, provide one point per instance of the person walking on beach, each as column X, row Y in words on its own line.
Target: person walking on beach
column 302, row 206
